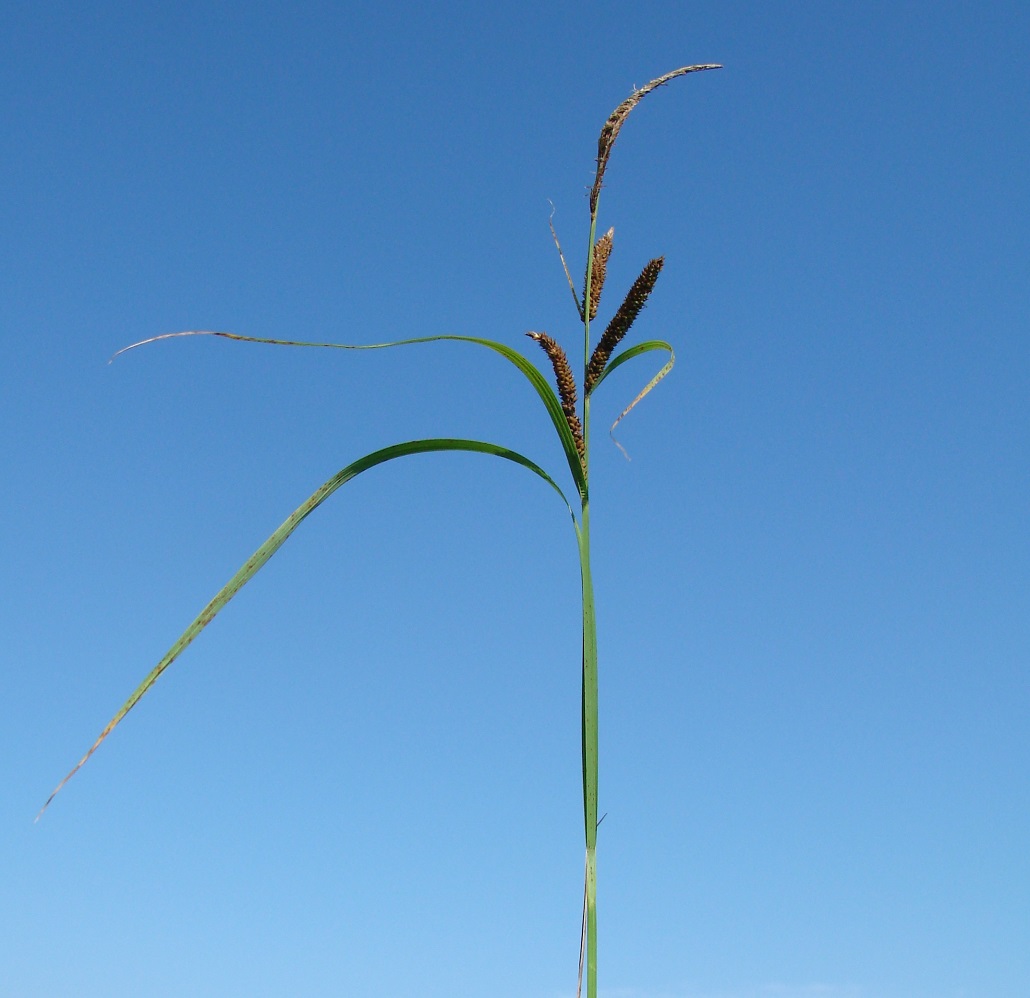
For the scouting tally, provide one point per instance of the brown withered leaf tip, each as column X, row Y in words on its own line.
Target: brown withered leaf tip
column 598, row 271
column 622, row 320
column 566, row 386
column 616, row 119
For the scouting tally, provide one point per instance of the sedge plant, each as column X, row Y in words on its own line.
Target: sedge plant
column 571, row 421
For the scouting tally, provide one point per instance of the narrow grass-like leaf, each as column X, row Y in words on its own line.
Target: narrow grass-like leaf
column 629, row 355
column 635, row 351
column 619, row 359
column 276, row 541
column 565, row 266
column 532, row 373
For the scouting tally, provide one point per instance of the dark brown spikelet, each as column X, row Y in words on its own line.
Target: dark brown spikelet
column 622, row 320
column 598, row 270
column 617, row 118
column 566, row 385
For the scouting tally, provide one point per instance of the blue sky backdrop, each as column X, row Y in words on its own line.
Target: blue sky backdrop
column 813, row 575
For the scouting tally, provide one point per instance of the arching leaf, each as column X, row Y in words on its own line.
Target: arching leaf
column 258, row 559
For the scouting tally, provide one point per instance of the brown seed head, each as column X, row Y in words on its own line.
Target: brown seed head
column 616, row 119
column 598, row 270
column 566, row 385
column 622, row 320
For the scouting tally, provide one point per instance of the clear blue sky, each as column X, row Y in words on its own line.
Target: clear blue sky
column 813, row 577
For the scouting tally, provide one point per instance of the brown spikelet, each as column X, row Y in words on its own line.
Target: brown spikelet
column 616, row 119
column 566, row 385
column 598, row 270
column 622, row 320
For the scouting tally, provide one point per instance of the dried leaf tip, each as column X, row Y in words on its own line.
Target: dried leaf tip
column 566, row 386
column 622, row 320
column 598, row 271
column 616, row 119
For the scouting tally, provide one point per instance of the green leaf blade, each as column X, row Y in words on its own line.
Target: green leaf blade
column 619, row 359
column 279, row 537
column 542, row 386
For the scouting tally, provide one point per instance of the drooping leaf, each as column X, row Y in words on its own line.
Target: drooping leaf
column 619, row 359
column 529, row 370
column 257, row 560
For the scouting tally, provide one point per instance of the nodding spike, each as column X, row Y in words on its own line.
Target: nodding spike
column 610, row 130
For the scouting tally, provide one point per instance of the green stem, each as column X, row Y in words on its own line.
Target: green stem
column 589, row 689
column 589, row 730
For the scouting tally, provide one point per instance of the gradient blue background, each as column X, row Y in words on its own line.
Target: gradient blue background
column 812, row 577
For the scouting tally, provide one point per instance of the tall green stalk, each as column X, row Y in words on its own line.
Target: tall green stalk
column 588, row 943
column 589, row 720
column 574, row 433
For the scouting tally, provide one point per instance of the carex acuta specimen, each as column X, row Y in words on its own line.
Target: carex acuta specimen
column 569, row 411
